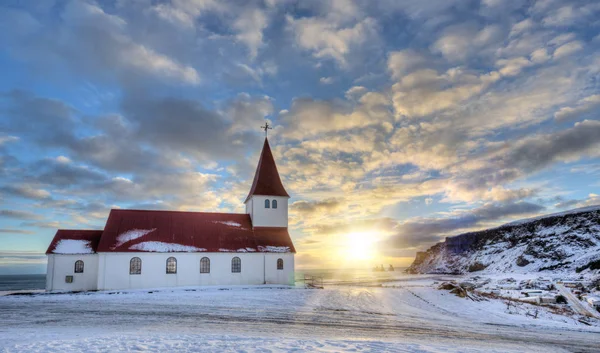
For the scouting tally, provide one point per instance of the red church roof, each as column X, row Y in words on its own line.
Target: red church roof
column 174, row 231
column 74, row 241
column 266, row 179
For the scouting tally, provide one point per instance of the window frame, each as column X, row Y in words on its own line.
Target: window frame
column 274, row 204
column 205, row 265
column 79, row 269
column 280, row 264
column 267, row 203
column 137, row 270
column 236, row 266
column 171, row 262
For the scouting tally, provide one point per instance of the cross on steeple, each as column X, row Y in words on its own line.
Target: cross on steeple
column 266, row 128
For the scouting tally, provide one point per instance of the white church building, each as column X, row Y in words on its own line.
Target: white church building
column 153, row 249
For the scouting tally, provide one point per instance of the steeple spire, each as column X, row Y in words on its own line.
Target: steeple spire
column 266, row 180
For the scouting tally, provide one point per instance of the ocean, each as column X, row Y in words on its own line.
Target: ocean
column 329, row 276
column 341, row 276
column 22, row 282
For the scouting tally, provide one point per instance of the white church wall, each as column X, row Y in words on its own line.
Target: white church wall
column 114, row 270
column 268, row 217
column 249, row 206
column 60, row 266
column 275, row 276
column 50, row 272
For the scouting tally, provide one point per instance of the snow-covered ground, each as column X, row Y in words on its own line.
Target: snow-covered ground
column 410, row 316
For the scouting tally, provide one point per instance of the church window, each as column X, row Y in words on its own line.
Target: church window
column 280, row 264
column 205, row 265
column 171, row 265
column 274, row 203
column 135, row 266
column 236, row 265
column 78, row 266
column 267, row 205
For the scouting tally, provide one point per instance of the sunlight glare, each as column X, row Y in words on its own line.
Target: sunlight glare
column 360, row 246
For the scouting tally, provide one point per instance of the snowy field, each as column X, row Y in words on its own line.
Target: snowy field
column 410, row 317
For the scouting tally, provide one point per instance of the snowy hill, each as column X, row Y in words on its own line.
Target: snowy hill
column 562, row 242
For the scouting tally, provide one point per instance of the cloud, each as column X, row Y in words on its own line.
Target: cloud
column 198, row 131
column 184, row 13
column 99, row 45
column 337, row 33
column 313, row 210
column 403, row 62
column 250, row 25
column 591, row 200
column 16, row 231
column 423, row 232
column 41, row 224
column 570, row 14
column 27, row 191
column 567, row 49
column 427, row 91
column 307, row 116
column 145, row 59
column 458, row 42
column 246, row 113
column 584, row 106
column 536, row 152
column 16, row 214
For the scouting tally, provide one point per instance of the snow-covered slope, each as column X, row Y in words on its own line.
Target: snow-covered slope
column 564, row 242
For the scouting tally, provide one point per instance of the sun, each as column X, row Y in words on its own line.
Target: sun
column 360, row 246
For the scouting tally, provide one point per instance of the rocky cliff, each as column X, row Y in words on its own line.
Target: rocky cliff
column 562, row 242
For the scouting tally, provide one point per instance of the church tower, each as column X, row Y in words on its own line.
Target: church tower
column 267, row 201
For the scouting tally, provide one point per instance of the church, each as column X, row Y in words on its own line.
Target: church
column 154, row 249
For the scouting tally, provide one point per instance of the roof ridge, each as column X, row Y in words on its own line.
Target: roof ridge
column 80, row 230
column 177, row 211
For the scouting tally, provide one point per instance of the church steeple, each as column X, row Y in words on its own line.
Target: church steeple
column 267, row 201
column 266, row 179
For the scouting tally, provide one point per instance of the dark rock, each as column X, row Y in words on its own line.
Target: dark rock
column 521, row 261
column 477, row 266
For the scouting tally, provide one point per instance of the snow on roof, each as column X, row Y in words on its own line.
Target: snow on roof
column 273, row 249
column 132, row 235
column 74, row 241
column 73, row 246
column 229, row 223
column 159, row 246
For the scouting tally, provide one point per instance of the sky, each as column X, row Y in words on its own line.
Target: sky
column 396, row 123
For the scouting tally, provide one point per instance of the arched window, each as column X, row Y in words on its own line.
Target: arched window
column 78, row 266
column 135, row 266
column 205, row 265
column 274, row 203
column 171, row 265
column 267, row 205
column 280, row 264
column 236, row 265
